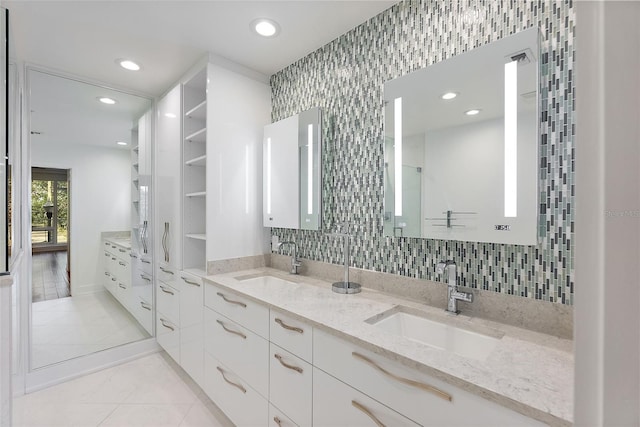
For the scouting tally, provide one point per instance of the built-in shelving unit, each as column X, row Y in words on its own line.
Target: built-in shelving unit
column 194, row 157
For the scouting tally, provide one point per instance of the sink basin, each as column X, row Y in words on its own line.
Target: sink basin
column 438, row 335
column 263, row 279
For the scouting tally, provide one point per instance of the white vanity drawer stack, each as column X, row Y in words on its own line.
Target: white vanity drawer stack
column 417, row 396
column 168, row 319
column 236, row 355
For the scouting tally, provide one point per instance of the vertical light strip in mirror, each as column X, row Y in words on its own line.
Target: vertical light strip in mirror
column 397, row 153
column 269, row 176
column 511, row 139
column 310, row 169
column 246, row 179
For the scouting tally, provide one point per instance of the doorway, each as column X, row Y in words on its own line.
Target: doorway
column 51, row 274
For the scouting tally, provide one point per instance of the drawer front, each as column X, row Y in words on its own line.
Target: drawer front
column 250, row 314
column 106, row 260
column 111, row 283
column 277, row 418
column 291, row 334
column 243, row 351
column 290, row 385
column 145, row 263
column 336, row 404
column 143, row 311
column 191, row 299
column 168, row 336
column 168, row 299
column 124, row 294
column 425, row 404
column 167, row 273
column 241, row 403
column 122, row 270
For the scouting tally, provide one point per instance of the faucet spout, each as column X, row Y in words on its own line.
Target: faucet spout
column 295, row 262
column 448, row 268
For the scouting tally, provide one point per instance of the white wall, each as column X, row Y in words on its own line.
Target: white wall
column 607, row 240
column 100, row 201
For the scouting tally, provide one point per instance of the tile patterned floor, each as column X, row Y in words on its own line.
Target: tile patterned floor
column 70, row 327
column 151, row 391
column 49, row 276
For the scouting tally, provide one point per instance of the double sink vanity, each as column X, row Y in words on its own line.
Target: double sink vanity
column 286, row 349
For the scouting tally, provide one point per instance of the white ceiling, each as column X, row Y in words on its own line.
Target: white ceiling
column 167, row 37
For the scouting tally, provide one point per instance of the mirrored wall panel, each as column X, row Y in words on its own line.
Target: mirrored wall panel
column 461, row 146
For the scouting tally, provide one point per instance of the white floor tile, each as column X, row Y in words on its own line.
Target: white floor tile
column 202, row 416
column 147, row 415
column 60, row 414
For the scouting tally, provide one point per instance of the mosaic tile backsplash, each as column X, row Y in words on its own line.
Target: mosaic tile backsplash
column 346, row 77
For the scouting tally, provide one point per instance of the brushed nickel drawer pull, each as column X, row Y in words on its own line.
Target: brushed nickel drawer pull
column 286, row 365
column 287, row 327
column 132, row 255
column 222, row 372
column 191, row 282
column 230, row 301
column 165, row 325
column 122, row 263
column 122, row 250
column 145, row 305
column 164, row 270
column 413, row 383
column 231, row 331
column 113, row 279
column 145, row 277
column 277, row 421
column 122, row 286
column 146, row 261
column 113, row 259
column 106, row 273
column 367, row 412
column 165, row 290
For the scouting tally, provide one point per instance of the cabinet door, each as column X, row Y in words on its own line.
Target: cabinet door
column 191, row 310
column 168, row 166
column 281, row 194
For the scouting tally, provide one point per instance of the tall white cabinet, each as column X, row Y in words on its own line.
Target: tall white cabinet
column 209, row 198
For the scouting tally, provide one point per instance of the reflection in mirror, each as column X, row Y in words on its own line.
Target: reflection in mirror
column 310, row 176
column 5, row 172
column 85, row 199
column 461, row 144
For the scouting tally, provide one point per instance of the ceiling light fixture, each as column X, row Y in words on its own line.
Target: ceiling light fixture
column 106, row 100
column 449, row 95
column 128, row 64
column 121, row 143
column 472, row 112
column 265, row 27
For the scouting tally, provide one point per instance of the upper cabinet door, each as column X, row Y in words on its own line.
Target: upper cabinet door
column 281, row 191
column 168, row 176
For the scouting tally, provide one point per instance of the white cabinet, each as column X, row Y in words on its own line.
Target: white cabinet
column 191, row 310
column 290, row 385
column 291, row 334
column 281, row 194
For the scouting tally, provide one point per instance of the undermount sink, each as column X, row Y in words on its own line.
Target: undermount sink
column 263, row 279
column 437, row 335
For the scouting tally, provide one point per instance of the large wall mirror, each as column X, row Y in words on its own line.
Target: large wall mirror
column 461, row 146
column 85, row 179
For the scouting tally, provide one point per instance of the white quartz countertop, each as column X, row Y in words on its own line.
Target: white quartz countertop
column 529, row 372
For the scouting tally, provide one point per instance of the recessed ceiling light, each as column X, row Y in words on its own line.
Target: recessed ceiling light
column 170, row 115
column 106, row 100
column 472, row 112
column 128, row 64
column 265, row 27
column 449, row 95
column 121, row 143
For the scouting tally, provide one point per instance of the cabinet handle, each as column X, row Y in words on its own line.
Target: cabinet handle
column 132, row 255
column 164, row 270
column 165, row 243
column 165, row 290
column 106, row 273
column 222, row 372
column 413, row 383
column 113, row 247
column 145, row 305
column 241, row 304
column 231, row 331
column 113, row 279
column 367, row 412
column 277, row 421
column 286, row 365
column 107, row 254
column 191, row 282
column 113, row 259
column 166, row 326
column 287, row 327
column 106, row 244
column 146, row 261
column 122, row 263
column 120, row 285
column 145, row 277
column 122, row 250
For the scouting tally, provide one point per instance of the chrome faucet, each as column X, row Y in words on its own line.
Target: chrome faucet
column 453, row 295
column 295, row 262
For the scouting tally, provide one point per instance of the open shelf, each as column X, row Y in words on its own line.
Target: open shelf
column 198, row 112
column 198, row 161
column 197, row 136
column 196, row 194
column 196, row 236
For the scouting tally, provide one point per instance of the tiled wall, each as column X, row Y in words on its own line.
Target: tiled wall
column 345, row 78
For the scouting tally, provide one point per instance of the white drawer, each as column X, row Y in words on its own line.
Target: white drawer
column 250, row 314
column 191, row 299
column 168, row 299
column 143, row 312
column 124, row 294
column 121, row 252
column 426, row 405
column 291, row 334
column 106, row 260
column 122, row 271
column 167, row 273
column 111, row 283
column 241, row 403
column 192, row 351
column 336, row 404
column 290, row 385
column 145, row 263
column 277, row 418
column 168, row 336
column 243, row 351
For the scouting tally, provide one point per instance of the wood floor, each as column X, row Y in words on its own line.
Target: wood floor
column 49, row 276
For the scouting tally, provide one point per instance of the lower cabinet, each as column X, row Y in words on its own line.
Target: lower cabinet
column 191, row 291
column 290, row 385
